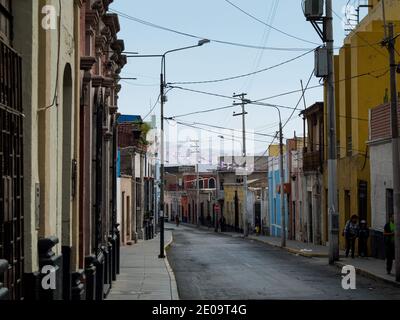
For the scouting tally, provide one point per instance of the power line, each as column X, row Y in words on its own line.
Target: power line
column 246, row 74
column 269, row 147
column 358, row 35
column 230, row 43
column 268, row 25
column 301, row 99
column 215, row 132
column 200, row 112
column 140, row 84
column 274, row 96
column 231, row 129
column 243, row 45
column 370, row 73
column 271, row 143
column 218, row 95
column 264, row 41
column 155, row 105
column 202, row 92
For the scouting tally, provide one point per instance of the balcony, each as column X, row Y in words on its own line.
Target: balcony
column 312, row 161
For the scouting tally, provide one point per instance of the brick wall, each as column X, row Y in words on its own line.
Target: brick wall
column 380, row 122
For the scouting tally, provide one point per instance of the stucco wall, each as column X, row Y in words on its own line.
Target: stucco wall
column 381, row 180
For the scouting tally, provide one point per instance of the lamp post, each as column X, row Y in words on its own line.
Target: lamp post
column 163, row 100
column 281, row 173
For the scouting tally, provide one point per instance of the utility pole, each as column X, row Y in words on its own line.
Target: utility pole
column 282, row 193
column 162, row 182
column 197, row 151
column 281, row 155
column 332, row 156
column 326, row 34
column 197, row 194
column 390, row 41
column 244, row 153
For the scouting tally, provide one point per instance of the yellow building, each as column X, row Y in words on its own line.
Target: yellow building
column 233, row 207
column 274, row 150
column 362, row 82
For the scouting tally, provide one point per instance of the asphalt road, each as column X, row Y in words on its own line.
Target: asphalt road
column 210, row 266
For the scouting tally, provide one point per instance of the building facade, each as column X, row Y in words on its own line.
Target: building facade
column 381, row 166
column 315, row 219
column 362, row 83
column 230, row 192
column 64, row 58
column 293, row 177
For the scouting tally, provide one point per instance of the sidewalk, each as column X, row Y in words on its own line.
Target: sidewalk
column 143, row 275
column 369, row 267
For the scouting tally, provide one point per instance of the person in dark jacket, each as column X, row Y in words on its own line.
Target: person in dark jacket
column 208, row 221
column 363, row 235
column 351, row 234
column 222, row 223
column 389, row 243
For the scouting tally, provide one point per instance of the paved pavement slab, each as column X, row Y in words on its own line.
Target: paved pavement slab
column 143, row 276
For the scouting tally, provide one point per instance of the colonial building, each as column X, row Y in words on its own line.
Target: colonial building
column 314, row 221
column 137, row 165
column 41, row 215
column 60, row 64
column 176, row 197
column 230, row 191
column 200, row 195
column 101, row 61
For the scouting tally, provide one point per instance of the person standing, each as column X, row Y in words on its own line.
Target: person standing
column 389, row 243
column 208, row 221
column 177, row 220
column 363, row 236
column 351, row 233
column 222, row 223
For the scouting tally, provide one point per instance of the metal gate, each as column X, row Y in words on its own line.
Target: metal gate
column 11, row 170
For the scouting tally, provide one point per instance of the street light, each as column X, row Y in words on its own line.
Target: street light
column 283, row 214
column 162, row 101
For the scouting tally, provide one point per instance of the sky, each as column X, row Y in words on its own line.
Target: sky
column 219, row 20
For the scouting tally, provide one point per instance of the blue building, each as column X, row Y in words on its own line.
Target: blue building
column 274, row 181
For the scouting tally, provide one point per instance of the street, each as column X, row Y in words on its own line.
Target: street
column 220, row 267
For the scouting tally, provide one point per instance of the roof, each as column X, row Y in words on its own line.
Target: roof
column 316, row 107
column 129, row 118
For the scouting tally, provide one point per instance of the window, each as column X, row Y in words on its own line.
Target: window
column 211, row 183
column 5, row 20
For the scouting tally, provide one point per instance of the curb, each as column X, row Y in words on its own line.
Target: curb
column 174, row 287
column 370, row 275
column 291, row 250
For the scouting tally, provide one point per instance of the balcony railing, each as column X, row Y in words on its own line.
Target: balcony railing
column 312, row 161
